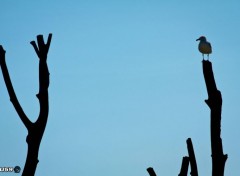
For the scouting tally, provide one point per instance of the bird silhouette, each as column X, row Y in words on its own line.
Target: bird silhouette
column 204, row 46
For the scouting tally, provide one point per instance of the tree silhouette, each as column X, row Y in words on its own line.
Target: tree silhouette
column 151, row 171
column 35, row 129
column 184, row 168
column 214, row 102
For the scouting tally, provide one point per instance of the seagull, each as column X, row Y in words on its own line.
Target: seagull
column 204, row 46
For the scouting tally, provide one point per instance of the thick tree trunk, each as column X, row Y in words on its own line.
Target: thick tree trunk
column 36, row 129
column 214, row 102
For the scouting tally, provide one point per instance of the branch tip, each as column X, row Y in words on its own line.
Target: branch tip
column 49, row 41
column 151, row 171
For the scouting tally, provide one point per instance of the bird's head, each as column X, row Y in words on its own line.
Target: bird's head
column 202, row 38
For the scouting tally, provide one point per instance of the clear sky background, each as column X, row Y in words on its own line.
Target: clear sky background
column 127, row 87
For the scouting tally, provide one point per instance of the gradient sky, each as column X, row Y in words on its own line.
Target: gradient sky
column 127, row 87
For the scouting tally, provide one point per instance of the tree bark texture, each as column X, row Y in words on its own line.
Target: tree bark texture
column 36, row 129
column 214, row 102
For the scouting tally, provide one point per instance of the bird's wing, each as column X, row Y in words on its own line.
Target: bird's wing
column 210, row 47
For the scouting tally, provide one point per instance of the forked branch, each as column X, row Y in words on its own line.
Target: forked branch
column 11, row 92
column 35, row 130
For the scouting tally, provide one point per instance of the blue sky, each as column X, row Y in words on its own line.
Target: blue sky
column 126, row 88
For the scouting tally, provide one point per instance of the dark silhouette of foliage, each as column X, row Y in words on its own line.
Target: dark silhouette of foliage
column 35, row 129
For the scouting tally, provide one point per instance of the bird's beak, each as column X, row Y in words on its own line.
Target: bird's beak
column 197, row 39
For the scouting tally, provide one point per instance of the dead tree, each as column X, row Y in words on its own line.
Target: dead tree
column 189, row 159
column 35, row 129
column 214, row 102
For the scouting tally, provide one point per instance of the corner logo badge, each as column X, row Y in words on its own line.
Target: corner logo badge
column 15, row 169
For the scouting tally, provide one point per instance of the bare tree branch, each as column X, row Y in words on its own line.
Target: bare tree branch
column 11, row 92
column 151, row 171
column 35, row 130
column 214, row 102
column 184, row 167
column 192, row 159
column 42, row 49
column 35, row 134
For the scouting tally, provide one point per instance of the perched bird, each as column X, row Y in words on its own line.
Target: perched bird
column 204, row 46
